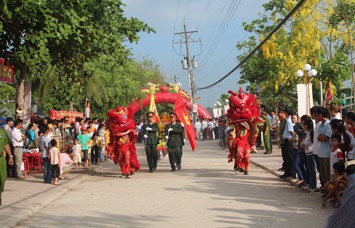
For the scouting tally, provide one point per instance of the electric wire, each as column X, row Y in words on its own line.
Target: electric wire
column 172, row 45
column 299, row 4
column 187, row 10
column 221, row 31
column 204, row 13
column 207, row 53
column 176, row 15
column 222, row 59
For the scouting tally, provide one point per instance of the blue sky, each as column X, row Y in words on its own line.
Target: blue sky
column 216, row 55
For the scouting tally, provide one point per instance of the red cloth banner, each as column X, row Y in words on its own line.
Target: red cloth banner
column 6, row 71
column 54, row 114
column 184, row 117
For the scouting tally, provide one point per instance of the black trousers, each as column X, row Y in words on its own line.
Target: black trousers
column 287, row 156
column 175, row 155
column 95, row 152
column 152, row 156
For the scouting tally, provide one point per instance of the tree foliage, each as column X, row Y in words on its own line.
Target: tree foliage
column 304, row 39
column 60, row 40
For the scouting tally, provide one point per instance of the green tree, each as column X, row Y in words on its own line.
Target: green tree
column 66, row 34
column 303, row 40
column 343, row 19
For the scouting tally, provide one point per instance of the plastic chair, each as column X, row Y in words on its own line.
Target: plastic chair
column 36, row 161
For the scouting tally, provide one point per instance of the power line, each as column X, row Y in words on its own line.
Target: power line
column 177, row 11
column 187, row 10
column 224, row 58
column 227, row 19
column 204, row 13
column 173, row 48
column 299, row 4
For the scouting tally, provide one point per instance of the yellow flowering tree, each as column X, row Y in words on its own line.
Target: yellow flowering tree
column 304, row 39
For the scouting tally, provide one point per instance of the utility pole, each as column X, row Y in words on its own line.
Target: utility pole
column 189, row 63
column 175, row 79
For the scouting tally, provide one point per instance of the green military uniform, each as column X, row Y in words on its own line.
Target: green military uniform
column 150, row 132
column 4, row 140
column 266, row 131
column 174, row 143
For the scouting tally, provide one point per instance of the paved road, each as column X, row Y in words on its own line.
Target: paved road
column 205, row 193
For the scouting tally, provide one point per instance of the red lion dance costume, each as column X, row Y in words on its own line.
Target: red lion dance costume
column 244, row 115
column 122, row 148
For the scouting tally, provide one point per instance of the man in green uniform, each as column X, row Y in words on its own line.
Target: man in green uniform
column 173, row 132
column 150, row 133
column 266, row 133
column 4, row 149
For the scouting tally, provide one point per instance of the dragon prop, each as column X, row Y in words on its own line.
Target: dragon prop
column 122, row 148
column 244, row 118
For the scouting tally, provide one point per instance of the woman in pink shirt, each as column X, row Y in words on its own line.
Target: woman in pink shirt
column 65, row 163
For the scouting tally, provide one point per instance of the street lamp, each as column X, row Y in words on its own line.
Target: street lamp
column 218, row 106
column 310, row 73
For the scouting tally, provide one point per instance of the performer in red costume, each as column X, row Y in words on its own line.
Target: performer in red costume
column 244, row 115
column 122, row 148
column 239, row 147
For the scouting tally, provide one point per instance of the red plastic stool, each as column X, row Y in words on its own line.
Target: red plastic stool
column 36, row 161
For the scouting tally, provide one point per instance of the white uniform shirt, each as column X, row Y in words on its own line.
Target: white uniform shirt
column 16, row 138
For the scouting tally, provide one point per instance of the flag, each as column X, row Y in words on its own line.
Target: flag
column 153, row 108
column 329, row 95
column 184, row 117
column 87, row 109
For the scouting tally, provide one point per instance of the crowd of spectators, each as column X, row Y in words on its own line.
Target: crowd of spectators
column 62, row 145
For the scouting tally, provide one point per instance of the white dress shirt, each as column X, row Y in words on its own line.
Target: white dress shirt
column 16, row 137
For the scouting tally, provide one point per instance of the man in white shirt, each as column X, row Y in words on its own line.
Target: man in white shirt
column 95, row 123
column 17, row 139
column 198, row 129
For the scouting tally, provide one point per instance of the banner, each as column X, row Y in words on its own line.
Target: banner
column 6, row 71
column 54, row 114
column 184, row 117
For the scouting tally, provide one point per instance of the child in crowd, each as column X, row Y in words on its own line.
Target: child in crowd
column 336, row 187
column 65, row 163
column 307, row 146
column 95, row 144
column 68, row 142
column 77, row 153
column 84, row 139
column 101, row 131
column 336, row 154
column 107, row 141
column 91, row 129
column 54, row 157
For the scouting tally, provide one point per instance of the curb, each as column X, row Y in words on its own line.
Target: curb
column 265, row 168
column 15, row 214
column 291, row 182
